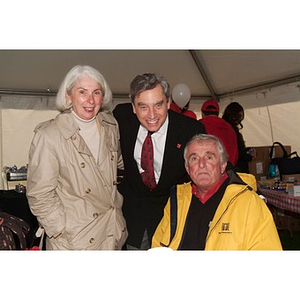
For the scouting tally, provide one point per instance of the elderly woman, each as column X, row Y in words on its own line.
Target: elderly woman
column 72, row 169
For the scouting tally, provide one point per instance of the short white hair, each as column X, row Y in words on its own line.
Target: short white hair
column 70, row 80
column 202, row 137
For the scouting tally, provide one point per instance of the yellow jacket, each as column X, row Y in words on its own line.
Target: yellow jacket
column 242, row 220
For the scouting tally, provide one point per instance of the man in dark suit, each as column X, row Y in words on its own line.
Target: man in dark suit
column 149, row 114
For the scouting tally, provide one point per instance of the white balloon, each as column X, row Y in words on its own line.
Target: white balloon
column 181, row 94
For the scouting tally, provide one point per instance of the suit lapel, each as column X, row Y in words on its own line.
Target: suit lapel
column 172, row 148
column 133, row 124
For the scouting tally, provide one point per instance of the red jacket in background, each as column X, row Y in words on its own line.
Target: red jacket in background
column 224, row 131
column 188, row 113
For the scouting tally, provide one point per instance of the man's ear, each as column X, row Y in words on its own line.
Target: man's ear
column 133, row 107
column 223, row 167
column 169, row 103
column 187, row 168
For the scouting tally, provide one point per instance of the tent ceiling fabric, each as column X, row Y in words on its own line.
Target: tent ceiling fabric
column 265, row 82
column 233, row 70
column 227, row 71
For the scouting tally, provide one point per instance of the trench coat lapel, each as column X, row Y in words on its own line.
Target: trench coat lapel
column 70, row 130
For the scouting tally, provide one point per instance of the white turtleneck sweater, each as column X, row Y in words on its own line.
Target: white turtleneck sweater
column 89, row 132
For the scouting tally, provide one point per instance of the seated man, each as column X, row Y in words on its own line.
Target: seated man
column 219, row 209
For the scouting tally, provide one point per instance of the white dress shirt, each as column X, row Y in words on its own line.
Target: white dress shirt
column 159, row 141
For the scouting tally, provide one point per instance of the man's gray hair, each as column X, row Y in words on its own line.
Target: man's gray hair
column 204, row 137
column 148, row 81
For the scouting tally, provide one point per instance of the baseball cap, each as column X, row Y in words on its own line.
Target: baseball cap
column 210, row 105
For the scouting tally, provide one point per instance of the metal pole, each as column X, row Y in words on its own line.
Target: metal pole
column 201, row 70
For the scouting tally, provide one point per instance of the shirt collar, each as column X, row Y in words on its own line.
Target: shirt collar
column 210, row 192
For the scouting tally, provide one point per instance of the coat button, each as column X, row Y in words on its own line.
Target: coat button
column 95, row 215
column 74, row 138
column 82, row 165
column 112, row 157
column 88, row 190
column 115, row 182
column 92, row 240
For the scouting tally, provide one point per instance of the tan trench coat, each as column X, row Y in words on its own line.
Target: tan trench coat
column 74, row 198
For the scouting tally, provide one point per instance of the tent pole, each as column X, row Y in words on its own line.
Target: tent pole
column 260, row 87
column 201, row 70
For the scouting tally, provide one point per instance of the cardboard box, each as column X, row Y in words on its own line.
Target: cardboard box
column 291, row 177
column 259, row 166
column 294, row 190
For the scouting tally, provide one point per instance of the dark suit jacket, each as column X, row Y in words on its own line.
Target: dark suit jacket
column 143, row 208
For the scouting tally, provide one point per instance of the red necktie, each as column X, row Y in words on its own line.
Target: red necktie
column 147, row 163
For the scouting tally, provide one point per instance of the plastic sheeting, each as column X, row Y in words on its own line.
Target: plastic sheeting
column 270, row 116
column 18, row 118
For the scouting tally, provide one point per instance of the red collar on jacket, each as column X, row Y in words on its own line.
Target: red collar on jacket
column 210, row 191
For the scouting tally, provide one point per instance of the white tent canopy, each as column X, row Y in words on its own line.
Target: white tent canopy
column 265, row 82
column 208, row 73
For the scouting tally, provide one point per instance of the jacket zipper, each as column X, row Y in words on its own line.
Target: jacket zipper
column 230, row 202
